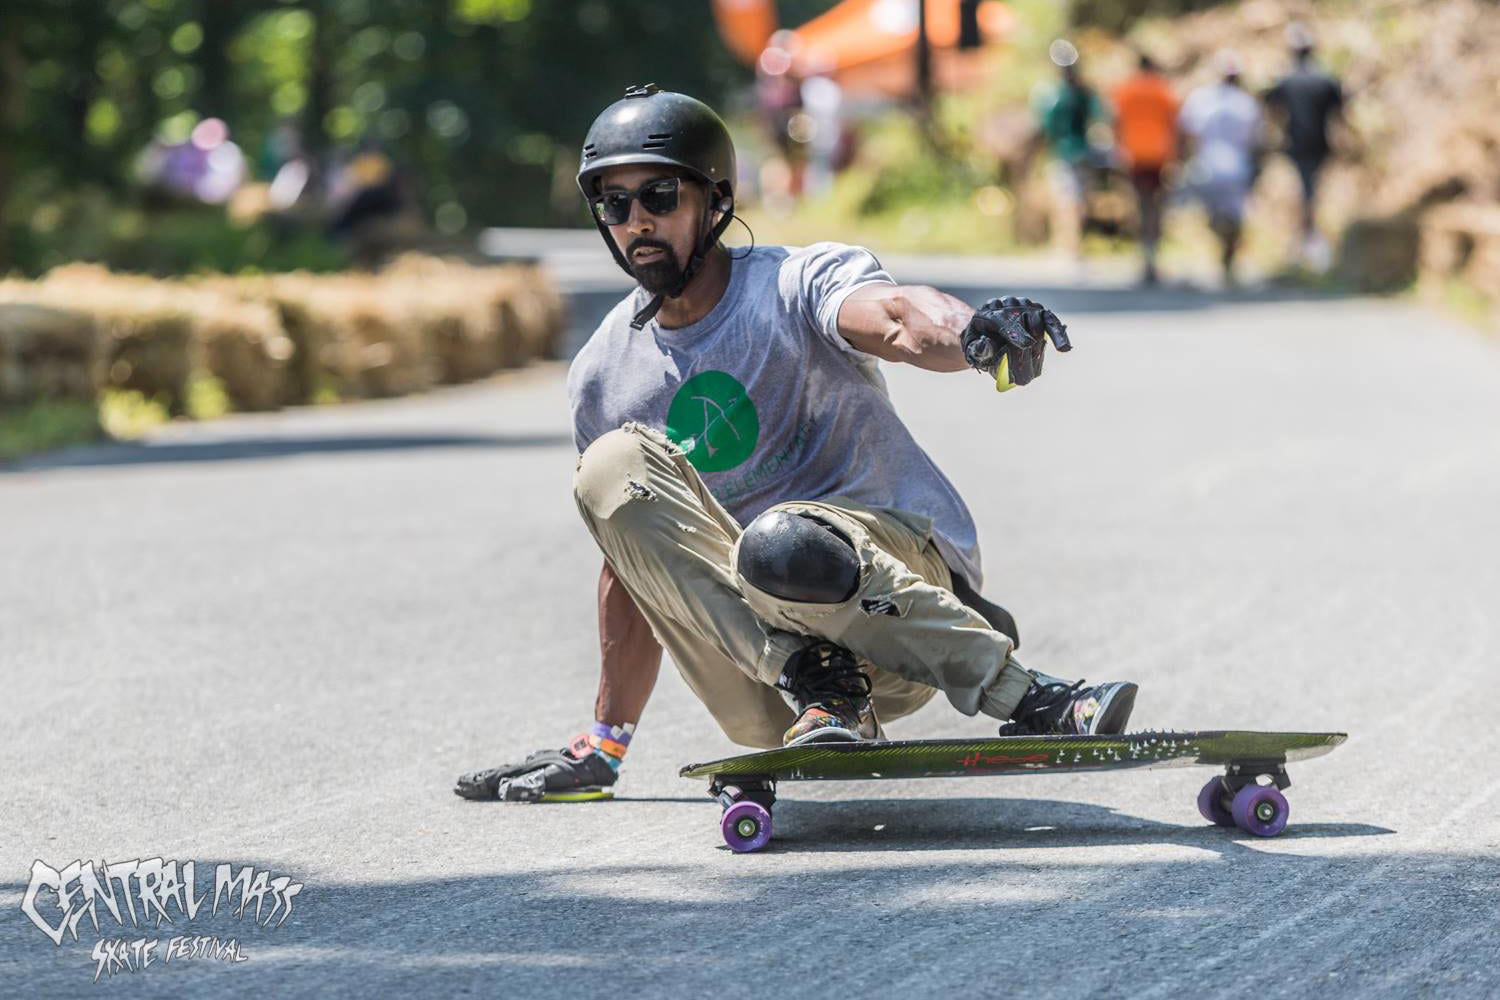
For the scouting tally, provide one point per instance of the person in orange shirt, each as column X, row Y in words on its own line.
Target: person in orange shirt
column 1146, row 135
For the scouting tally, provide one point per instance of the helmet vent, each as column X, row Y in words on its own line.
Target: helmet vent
column 653, row 145
column 659, row 135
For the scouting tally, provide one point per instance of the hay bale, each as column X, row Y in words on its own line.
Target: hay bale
column 144, row 328
column 45, row 352
column 1483, row 271
column 480, row 319
column 245, row 347
column 304, row 326
column 532, row 314
column 148, row 348
column 389, row 354
column 1379, row 255
column 274, row 340
column 449, row 302
column 354, row 334
column 1462, row 240
column 146, row 334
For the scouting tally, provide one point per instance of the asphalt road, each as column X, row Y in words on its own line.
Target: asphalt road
column 275, row 640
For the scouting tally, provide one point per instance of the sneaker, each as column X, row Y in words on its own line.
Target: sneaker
column 1054, row 707
column 832, row 697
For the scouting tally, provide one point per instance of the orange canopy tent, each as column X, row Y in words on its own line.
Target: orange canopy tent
column 868, row 46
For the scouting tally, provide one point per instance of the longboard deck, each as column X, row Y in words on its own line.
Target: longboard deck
column 1017, row 755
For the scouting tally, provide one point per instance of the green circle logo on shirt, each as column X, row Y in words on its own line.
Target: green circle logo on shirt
column 712, row 419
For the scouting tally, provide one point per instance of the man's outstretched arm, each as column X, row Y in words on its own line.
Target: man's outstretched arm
column 912, row 324
column 919, row 325
column 629, row 655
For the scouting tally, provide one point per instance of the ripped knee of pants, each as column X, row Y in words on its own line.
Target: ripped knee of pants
column 612, row 472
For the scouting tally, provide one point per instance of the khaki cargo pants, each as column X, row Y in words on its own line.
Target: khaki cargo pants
column 673, row 547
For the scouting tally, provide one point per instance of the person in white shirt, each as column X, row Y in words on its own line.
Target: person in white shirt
column 1221, row 126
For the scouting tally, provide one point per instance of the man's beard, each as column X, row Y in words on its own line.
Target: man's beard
column 660, row 276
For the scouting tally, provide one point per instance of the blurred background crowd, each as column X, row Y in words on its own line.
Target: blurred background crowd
column 1347, row 141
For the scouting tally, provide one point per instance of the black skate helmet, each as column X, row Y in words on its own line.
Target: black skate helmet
column 657, row 126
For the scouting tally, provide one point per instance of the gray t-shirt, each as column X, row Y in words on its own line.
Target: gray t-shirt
column 767, row 400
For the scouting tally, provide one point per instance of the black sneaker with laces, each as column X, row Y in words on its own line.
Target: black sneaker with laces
column 1055, row 707
column 832, row 696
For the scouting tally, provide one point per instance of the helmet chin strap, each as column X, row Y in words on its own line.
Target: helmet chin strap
column 700, row 253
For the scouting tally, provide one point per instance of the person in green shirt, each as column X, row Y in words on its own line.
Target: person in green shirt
column 1065, row 115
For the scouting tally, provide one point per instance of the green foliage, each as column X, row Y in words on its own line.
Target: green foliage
column 189, row 241
column 129, row 413
column 480, row 102
column 901, row 194
column 46, row 424
column 89, row 225
column 1468, row 301
column 901, row 170
column 207, row 397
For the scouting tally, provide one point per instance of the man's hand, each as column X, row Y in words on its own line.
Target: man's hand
column 1006, row 339
column 575, row 772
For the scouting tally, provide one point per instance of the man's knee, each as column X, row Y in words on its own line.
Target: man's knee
column 797, row 558
column 611, row 472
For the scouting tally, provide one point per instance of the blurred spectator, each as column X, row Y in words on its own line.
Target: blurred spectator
column 283, row 159
column 282, row 144
column 1307, row 99
column 822, row 103
column 1146, row 137
column 1222, row 125
column 367, row 199
column 1065, row 114
column 778, row 97
column 207, row 168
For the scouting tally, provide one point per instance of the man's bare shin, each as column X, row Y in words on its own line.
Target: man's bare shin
column 630, row 656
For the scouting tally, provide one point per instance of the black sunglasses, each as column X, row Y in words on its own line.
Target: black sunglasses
column 659, row 197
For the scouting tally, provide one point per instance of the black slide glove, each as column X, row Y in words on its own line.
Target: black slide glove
column 551, row 775
column 1006, row 339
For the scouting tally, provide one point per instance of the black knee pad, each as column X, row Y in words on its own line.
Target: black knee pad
column 798, row 558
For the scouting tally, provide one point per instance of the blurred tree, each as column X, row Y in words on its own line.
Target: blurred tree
column 10, row 113
column 1118, row 15
column 480, row 102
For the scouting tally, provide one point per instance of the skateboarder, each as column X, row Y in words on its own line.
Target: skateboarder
column 764, row 515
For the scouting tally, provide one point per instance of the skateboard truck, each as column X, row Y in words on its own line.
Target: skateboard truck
column 747, row 802
column 1238, row 798
column 1249, row 772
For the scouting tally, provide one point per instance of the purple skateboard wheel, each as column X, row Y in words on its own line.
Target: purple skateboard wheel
column 746, row 826
column 1211, row 803
column 1260, row 810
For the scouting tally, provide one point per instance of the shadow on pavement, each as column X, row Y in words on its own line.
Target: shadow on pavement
column 964, row 824
column 238, row 449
